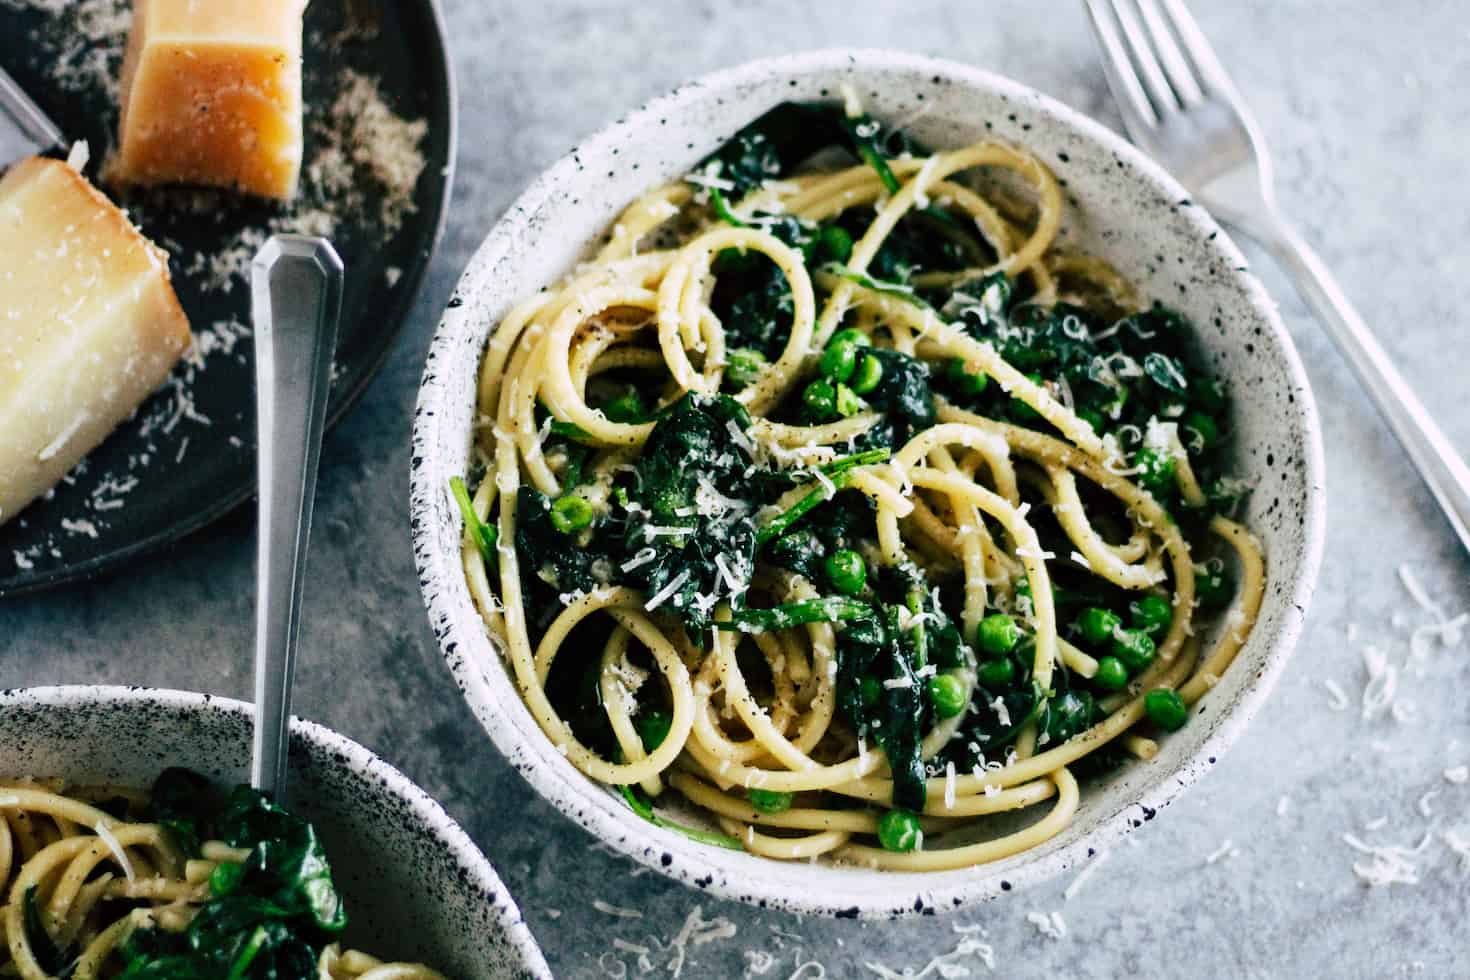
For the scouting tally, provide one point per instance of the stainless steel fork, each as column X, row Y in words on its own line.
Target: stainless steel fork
column 1181, row 108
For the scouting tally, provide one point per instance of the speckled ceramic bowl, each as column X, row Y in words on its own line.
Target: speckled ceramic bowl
column 1123, row 206
column 417, row 888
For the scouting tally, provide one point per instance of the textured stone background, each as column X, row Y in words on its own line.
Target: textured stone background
column 1366, row 108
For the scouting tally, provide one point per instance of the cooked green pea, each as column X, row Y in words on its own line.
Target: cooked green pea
column 1155, row 470
column 820, row 397
column 866, row 376
column 837, row 243
column 947, row 692
column 653, row 727
column 744, row 366
column 965, row 381
column 838, row 361
column 769, row 800
column 850, row 335
column 1134, row 647
column 898, row 830
column 847, row 571
column 1200, row 431
column 1098, row 625
column 998, row 633
column 627, row 407
column 571, row 513
column 848, row 403
column 1166, row 709
column 1151, row 613
column 1111, row 674
column 870, row 690
column 225, row 878
column 998, row 673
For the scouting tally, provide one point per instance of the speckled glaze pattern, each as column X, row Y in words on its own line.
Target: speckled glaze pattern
column 417, row 888
column 1122, row 206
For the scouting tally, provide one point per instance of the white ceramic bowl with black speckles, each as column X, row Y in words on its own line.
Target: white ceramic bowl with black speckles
column 416, row 887
column 1123, row 207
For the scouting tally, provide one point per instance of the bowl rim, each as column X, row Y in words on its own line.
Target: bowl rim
column 343, row 752
column 442, row 580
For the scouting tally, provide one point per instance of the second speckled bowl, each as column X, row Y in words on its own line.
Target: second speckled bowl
column 1123, row 207
column 416, row 887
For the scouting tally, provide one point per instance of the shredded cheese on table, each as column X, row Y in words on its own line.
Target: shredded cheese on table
column 1052, row 926
column 1088, row 870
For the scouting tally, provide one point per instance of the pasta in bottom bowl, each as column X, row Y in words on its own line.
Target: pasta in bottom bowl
column 849, row 492
column 108, row 798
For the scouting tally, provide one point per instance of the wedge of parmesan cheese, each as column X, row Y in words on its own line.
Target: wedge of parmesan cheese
column 89, row 324
column 211, row 94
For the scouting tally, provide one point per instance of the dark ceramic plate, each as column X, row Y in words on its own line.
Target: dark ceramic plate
column 377, row 81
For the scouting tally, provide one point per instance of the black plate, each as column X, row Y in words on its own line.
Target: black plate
column 187, row 457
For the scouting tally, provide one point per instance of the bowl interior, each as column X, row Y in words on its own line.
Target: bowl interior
column 416, row 887
column 1121, row 206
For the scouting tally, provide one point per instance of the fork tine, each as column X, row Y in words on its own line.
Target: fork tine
column 1164, row 100
column 1138, row 113
column 1207, row 67
column 1180, row 74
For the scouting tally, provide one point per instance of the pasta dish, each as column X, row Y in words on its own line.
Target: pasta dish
column 838, row 500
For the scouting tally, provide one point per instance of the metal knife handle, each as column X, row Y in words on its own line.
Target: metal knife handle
column 296, row 299
column 25, row 117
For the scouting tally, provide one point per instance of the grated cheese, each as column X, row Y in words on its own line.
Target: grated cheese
column 698, row 931
column 945, row 965
column 1051, row 926
column 105, row 834
column 1383, row 679
column 643, row 557
column 1425, row 807
column 651, row 531
column 1088, row 870
column 606, row 908
column 663, row 594
column 62, row 438
column 79, row 527
column 829, row 489
column 1460, row 846
column 1221, row 853
column 1001, row 711
column 1392, row 864
column 1417, row 592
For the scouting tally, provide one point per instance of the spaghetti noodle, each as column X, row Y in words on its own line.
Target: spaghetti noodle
column 849, row 505
column 91, row 893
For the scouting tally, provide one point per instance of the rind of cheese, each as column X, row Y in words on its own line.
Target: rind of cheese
column 89, row 325
column 211, row 94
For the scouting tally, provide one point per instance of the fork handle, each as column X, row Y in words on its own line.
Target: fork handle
column 1441, row 467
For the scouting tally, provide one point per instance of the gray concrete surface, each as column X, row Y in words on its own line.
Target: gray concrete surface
column 1366, row 106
